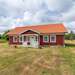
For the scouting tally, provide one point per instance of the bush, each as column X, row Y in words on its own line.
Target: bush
column 70, row 36
column 0, row 36
column 5, row 36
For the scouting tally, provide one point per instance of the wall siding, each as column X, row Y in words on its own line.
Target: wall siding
column 43, row 43
column 59, row 40
column 12, row 42
column 18, row 43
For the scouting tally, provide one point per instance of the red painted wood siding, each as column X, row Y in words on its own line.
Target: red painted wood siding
column 59, row 40
column 43, row 43
column 11, row 37
column 12, row 42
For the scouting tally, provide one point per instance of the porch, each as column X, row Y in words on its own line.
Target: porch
column 27, row 40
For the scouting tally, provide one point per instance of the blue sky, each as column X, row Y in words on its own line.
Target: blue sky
column 15, row 13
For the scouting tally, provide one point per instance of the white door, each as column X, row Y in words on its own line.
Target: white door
column 33, row 41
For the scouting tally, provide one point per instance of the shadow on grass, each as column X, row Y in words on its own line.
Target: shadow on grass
column 69, row 45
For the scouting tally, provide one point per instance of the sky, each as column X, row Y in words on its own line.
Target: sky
column 14, row 13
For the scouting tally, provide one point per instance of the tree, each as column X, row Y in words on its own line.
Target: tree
column 70, row 36
column 0, row 36
column 5, row 36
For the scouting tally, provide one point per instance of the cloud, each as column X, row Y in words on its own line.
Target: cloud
column 11, row 8
column 6, row 23
column 70, row 15
column 46, row 16
column 15, row 13
column 18, row 7
column 59, row 5
column 28, row 16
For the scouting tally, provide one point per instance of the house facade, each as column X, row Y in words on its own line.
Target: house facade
column 39, row 35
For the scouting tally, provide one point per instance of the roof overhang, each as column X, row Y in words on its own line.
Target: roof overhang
column 30, row 30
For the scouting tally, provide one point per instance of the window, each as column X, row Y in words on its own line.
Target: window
column 15, row 38
column 24, row 38
column 28, row 38
column 53, row 38
column 46, row 38
column 20, row 38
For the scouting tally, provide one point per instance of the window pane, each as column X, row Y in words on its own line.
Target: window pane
column 24, row 38
column 28, row 38
column 46, row 38
column 20, row 38
column 53, row 38
column 15, row 38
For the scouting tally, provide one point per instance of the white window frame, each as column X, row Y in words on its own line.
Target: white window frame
column 22, row 38
column 53, row 35
column 44, row 37
column 14, row 39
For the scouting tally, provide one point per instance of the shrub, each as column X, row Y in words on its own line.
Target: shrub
column 70, row 36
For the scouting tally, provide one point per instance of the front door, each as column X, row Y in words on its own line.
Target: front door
column 34, row 41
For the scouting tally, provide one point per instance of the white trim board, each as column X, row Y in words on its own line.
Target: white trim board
column 31, row 30
column 14, row 39
column 53, row 35
column 44, row 37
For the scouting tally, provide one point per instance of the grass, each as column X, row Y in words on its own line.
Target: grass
column 31, row 61
column 70, row 43
column 3, row 40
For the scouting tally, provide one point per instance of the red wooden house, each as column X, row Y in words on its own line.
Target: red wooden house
column 39, row 35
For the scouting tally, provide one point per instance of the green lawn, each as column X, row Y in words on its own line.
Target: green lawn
column 30, row 61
